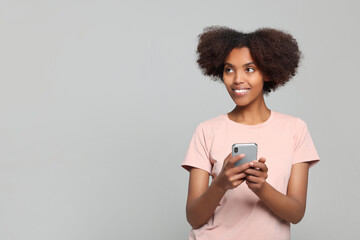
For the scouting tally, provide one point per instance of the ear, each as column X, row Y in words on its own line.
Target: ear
column 266, row 79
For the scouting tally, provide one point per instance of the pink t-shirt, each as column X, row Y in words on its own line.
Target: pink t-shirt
column 282, row 139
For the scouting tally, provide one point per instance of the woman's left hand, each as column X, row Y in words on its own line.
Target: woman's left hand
column 256, row 175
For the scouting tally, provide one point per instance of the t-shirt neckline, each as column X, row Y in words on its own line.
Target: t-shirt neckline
column 260, row 125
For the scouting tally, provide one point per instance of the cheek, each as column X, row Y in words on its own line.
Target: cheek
column 257, row 83
column 229, row 90
column 227, row 85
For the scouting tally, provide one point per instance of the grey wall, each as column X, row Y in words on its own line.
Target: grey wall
column 99, row 100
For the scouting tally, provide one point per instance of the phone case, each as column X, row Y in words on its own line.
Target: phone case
column 249, row 149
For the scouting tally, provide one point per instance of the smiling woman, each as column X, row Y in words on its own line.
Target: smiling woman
column 250, row 65
column 273, row 51
column 243, row 80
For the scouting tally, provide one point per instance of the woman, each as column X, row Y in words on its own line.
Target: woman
column 256, row 200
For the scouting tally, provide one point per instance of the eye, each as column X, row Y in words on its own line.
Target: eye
column 227, row 70
column 250, row 69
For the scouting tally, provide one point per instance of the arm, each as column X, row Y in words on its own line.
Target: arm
column 290, row 207
column 202, row 198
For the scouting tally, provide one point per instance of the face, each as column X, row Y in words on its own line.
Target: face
column 242, row 78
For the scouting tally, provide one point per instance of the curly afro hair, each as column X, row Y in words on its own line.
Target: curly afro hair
column 274, row 52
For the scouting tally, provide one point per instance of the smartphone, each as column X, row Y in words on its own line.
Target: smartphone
column 249, row 149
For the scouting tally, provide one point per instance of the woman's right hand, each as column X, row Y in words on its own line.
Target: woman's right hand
column 230, row 176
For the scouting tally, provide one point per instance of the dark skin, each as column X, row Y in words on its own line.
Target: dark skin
column 250, row 109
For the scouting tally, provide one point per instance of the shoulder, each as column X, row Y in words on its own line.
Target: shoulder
column 219, row 119
column 295, row 122
column 207, row 127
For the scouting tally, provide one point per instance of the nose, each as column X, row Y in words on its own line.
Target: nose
column 239, row 78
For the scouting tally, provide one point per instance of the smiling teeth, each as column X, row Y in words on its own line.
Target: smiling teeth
column 241, row 90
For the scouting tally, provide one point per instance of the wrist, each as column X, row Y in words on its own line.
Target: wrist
column 217, row 186
column 262, row 190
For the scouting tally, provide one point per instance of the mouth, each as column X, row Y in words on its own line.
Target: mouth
column 241, row 92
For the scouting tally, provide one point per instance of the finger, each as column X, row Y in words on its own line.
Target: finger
column 250, row 184
column 254, row 172
column 261, row 166
column 252, row 179
column 262, row 160
column 259, row 175
column 234, row 170
column 237, row 183
column 242, row 167
column 236, row 158
column 237, row 177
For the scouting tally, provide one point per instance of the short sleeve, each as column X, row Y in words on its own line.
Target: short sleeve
column 304, row 149
column 197, row 154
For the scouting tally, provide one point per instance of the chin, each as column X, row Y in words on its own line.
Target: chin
column 241, row 104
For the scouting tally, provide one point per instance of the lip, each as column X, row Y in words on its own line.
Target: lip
column 240, row 94
column 239, row 88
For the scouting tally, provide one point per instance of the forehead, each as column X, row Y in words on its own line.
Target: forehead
column 239, row 56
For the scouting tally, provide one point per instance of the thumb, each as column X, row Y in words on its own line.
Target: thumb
column 262, row 160
column 227, row 159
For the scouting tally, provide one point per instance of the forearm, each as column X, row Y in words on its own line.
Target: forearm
column 284, row 206
column 200, row 210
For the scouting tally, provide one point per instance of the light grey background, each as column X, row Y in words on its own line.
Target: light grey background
column 99, row 100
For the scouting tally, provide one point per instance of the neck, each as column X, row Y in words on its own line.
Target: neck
column 250, row 115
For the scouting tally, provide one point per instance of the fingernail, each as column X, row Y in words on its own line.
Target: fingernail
column 251, row 164
column 242, row 155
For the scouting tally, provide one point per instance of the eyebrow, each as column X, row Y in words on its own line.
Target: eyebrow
column 246, row 64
